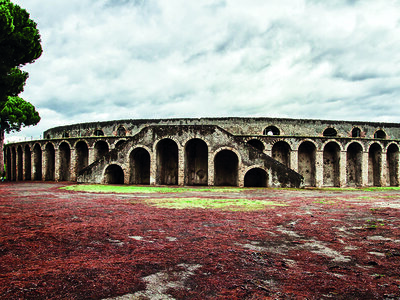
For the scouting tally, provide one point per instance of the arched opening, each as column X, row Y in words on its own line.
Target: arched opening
column 356, row 132
column 13, row 164
column 374, row 165
column 196, row 162
column 114, row 175
column 98, row 132
column 121, row 131
column 392, row 158
column 167, row 162
column 37, row 162
column 354, row 164
column 65, row 162
column 50, row 162
column 120, row 142
column 65, row 134
column 20, row 166
column 306, row 160
column 271, row 130
column 331, row 158
column 380, row 134
column 226, row 165
column 256, row 177
column 82, row 156
column 256, row 144
column 28, row 163
column 281, row 153
column 100, row 149
column 139, row 166
column 330, row 132
column 8, row 164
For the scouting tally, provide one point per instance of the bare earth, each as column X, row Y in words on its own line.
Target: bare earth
column 57, row 244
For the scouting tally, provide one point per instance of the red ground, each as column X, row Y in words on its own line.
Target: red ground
column 56, row 244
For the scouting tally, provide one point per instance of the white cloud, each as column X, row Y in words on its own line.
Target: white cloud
column 114, row 59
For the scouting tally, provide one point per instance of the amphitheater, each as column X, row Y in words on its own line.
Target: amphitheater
column 253, row 152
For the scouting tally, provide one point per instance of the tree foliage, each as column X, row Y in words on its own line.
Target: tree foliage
column 20, row 44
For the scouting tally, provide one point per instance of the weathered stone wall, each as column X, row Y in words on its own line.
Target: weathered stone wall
column 213, row 151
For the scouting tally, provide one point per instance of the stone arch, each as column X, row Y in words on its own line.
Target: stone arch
column 167, row 162
column 196, row 162
column 226, row 168
column 330, row 132
column 139, row 165
column 256, row 177
column 374, row 164
column 380, row 134
column 28, row 163
column 121, row 131
column 281, row 153
column 356, row 132
column 113, row 174
column 271, row 130
column 354, row 158
column 306, row 162
column 82, row 156
column 331, row 164
column 256, row 143
column 37, row 162
column 392, row 159
column 64, row 172
column 101, row 148
column 50, row 158
column 98, row 132
column 120, row 142
column 20, row 164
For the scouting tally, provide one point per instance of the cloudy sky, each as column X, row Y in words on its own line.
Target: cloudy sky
column 118, row 59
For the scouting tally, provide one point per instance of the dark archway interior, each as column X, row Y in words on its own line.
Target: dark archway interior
column 50, row 162
column 37, row 162
column 114, row 175
column 167, row 162
column 140, row 166
column 20, row 164
column 256, row 144
column 281, row 153
column 65, row 162
column 196, row 172
column 100, row 149
column 374, row 165
column 307, row 163
column 226, row 168
column 330, row 132
column 393, row 165
column 82, row 159
column 256, row 178
column 354, row 159
column 28, row 164
column 331, row 159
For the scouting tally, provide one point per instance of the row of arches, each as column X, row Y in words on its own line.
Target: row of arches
column 330, row 132
column 41, row 164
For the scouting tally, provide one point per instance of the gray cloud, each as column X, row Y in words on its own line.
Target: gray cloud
column 113, row 59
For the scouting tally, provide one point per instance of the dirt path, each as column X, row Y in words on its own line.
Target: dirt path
column 57, row 244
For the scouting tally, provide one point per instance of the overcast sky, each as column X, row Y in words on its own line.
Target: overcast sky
column 122, row 59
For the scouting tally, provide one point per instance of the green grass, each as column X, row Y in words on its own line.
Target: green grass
column 132, row 189
column 210, row 203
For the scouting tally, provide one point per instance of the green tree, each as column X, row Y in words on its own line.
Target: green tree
column 20, row 44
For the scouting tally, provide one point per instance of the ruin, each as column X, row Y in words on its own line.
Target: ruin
column 253, row 152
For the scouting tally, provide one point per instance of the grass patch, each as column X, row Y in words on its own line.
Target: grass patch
column 132, row 189
column 210, row 203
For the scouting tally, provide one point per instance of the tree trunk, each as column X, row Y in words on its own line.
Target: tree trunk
column 1, row 153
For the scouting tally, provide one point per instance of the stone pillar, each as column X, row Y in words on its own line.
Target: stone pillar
column 343, row 169
column 91, row 154
column 294, row 160
column 384, row 169
column 153, row 167
column 57, row 164
column 23, row 165
column 319, row 168
column 181, row 166
column 210, row 169
column 73, row 165
column 364, row 169
column 44, row 163
column 268, row 152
